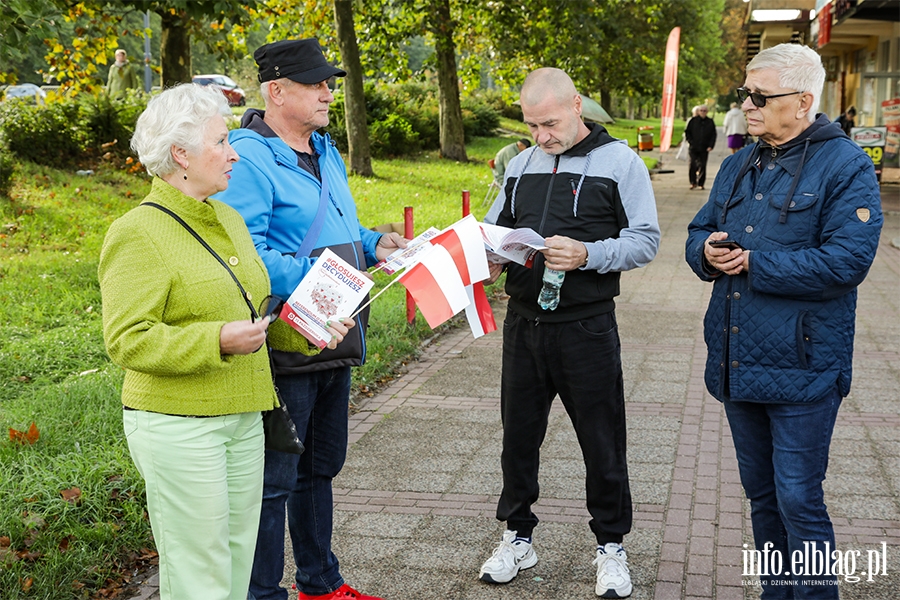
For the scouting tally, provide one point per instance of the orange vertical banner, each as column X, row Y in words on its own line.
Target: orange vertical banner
column 670, row 79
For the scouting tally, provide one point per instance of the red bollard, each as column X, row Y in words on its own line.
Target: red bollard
column 409, row 233
column 465, row 198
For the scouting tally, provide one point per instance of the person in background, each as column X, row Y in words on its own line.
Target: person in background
column 735, row 127
column 847, row 120
column 196, row 377
column 122, row 76
column 590, row 195
column 802, row 211
column 506, row 154
column 277, row 187
column 700, row 134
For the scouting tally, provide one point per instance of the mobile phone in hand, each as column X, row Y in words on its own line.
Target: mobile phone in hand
column 730, row 244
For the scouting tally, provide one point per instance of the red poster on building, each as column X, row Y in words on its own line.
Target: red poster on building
column 825, row 25
column 670, row 79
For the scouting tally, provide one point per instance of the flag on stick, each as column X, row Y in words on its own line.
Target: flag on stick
column 478, row 312
column 436, row 285
column 464, row 243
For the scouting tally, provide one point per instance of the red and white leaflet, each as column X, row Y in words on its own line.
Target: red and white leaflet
column 402, row 258
column 515, row 245
column 332, row 289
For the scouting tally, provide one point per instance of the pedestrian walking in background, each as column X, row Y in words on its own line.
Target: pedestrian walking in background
column 802, row 211
column 122, row 76
column 700, row 134
column 735, row 127
column 590, row 196
column 291, row 188
column 847, row 120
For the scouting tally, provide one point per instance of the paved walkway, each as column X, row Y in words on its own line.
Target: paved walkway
column 414, row 505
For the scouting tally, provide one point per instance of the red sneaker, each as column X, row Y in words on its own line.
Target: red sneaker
column 345, row 592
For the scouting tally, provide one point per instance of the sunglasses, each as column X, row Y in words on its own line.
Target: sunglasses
column 270, row 305
column 759, row 100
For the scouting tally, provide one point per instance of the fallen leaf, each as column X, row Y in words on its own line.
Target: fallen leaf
column 25, row 437
column 26, row 584
column 5, row 541
column 64, row 544
column 30, row 556
column 72, row 495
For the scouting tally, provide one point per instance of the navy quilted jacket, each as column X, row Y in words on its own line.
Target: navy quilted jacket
column 809, row 212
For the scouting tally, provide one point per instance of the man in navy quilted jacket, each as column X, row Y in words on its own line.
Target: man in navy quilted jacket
column 803, row 210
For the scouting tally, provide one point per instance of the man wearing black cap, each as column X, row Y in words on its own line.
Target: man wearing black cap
column 277, row 186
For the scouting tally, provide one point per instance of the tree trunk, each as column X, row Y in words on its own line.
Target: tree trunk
column 354, row 97
column 174, row 50
column 629, row 112
column 453, row 139
column 606, row 100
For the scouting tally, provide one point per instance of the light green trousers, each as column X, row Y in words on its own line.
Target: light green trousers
column 204, row 480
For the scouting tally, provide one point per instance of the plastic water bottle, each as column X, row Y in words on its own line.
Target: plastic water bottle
column 553, row 280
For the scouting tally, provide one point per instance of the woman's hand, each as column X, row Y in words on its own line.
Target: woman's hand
column 338, row 329
column 243, row 337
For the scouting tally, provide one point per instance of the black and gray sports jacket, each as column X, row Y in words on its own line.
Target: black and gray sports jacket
column 597, row 192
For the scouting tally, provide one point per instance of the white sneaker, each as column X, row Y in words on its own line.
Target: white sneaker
column 508, row 559
column 613, row 578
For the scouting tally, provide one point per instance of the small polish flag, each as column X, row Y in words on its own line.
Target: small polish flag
column 436, row 285
column 478, row 312
column 464, row 242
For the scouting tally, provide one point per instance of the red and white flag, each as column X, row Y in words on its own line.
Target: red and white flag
column 478, row 312
column 465, row 244
column 436, row 285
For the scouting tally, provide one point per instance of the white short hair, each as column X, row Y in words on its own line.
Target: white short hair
column 798, row 67
column 264, row 88
column 176, row 117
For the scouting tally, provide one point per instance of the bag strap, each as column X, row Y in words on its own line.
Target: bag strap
column 254, row 315
column 315, row 229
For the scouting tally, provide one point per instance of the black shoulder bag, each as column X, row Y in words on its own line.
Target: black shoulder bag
column 281, row 433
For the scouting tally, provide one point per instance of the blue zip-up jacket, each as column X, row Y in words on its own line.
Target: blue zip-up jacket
column 809, row 212
column 279, row 200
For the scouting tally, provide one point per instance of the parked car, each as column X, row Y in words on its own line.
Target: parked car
column 233, row 93
column 29, row 91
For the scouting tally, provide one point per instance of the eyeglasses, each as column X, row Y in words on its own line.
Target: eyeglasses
column 759, row 100
column 271, row 305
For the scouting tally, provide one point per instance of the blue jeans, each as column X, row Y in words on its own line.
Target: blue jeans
column 318, row 403
column 782, row 453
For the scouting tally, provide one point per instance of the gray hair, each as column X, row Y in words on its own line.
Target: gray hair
column 547, row 81
column 264, row 88
column 176, row 117
column 798, row 67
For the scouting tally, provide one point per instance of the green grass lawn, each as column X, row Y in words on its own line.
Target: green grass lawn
column 57, row 542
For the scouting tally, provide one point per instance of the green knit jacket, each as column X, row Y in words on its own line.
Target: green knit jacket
column 165, row 300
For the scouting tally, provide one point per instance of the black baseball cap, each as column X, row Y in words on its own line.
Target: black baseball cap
column 298, row 60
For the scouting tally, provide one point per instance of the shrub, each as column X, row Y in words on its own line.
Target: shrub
column 393, row 136
column 6, row 172
column 69, row 132
column 396, row 112
column 44, row 134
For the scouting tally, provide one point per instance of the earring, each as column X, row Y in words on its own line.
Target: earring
column 185, row 175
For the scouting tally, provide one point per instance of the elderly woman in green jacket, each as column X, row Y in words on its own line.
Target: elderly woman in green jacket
column 196, row 373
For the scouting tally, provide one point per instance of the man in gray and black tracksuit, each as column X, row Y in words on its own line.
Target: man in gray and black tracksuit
column 589, row 194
